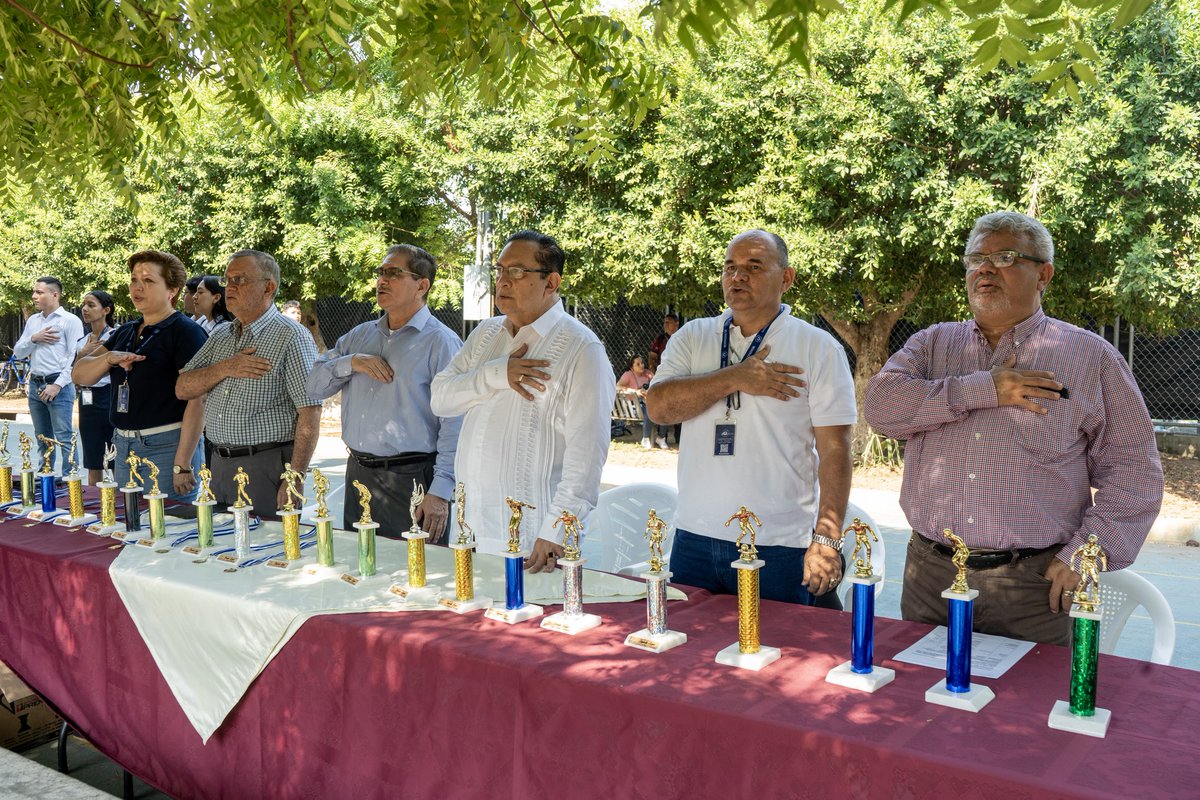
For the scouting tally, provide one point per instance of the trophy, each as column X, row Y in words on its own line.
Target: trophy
column 290, row 514
column 325, row 564
column 158, row 521
column 859, row 672
column 241, row 508
column 28, row 495
column 571, row 619
column 515, row 608
column 130, row 491
column 415, row 589
column 955, row 690
column 366, row 539
column 747, row 652
column 74, row 493
column 6, row 492
column 464, row 599
column 655, row 637
column 1079, row 714
column 108, row 497
column 204, row 502
column 46, row 482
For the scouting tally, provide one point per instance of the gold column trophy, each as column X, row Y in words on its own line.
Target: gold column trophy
column 241, row 508
column 108, row 497
column 131, row 501
column 571, row 619
column 47, row 484
column 956, row 690
column 290, row 515
column 515, row 608
column 655, row 637
column 76, row 517
column 6, row 492
column 325, row 565
column 860, row 672
column 464, row 599
column 158, row 520
column 415, row 589
column 28, row 495
column 1080, row 714
column 366, row 541
column 204, row 502
column 747, row 652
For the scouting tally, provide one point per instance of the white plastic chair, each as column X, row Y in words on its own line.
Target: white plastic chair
column 877, row 554
column 1121, row 592
column 614, row 539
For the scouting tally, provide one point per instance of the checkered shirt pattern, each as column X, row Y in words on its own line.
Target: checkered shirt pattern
column 1003, row 477
column 246, row 411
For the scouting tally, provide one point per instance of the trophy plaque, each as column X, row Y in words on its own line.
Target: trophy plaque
column 656, row 637
column 747, row 652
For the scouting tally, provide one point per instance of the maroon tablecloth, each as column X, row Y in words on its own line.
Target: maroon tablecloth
column 442, row 706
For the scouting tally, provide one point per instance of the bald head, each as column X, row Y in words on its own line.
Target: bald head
column 774, row 240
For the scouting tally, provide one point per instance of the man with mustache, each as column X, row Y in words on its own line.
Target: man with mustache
column 1011, row 420
column 384, row 369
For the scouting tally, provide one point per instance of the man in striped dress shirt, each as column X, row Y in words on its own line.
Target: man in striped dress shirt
column 1011, row 420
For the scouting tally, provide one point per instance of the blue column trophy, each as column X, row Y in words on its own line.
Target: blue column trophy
column 860, row 672
column 571, row 619
column 955, row 690
column 1080, row 714
column 515, row 608
column 46, row 484
column 655, row 637
column 204, row 502
column 464, row 599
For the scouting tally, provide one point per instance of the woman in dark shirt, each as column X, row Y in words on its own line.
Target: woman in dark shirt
column 143, row 359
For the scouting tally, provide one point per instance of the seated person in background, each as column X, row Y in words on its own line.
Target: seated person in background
column 633, row 384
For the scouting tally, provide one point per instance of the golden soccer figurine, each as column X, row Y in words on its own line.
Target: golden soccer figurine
column 364, row 499
column 1092, row 560
column 206, row 495
column 150, row 465
column 291, row 478
column 321, row 487
column 863, row 534
column 571, row 528
column 135, row 478
column 26, row 444
column 654, row 532
column 959, row 560
column 514, row 523
column 465, row 534
column 242, row 480
column 49, row 454
column 747, row 519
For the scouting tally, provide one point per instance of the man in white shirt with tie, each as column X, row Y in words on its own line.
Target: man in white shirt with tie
column 536, row 389
column 49, row 341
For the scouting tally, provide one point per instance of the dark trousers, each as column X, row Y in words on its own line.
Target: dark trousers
column 1013, row 601
column 703, row 562
column 264, row 469
column 391, row 491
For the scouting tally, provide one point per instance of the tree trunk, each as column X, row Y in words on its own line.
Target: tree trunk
column 308, row 316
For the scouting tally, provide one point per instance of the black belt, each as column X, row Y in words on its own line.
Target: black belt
column 991, row 558
column 383, row 462
column 51, row 378
column 248, row 450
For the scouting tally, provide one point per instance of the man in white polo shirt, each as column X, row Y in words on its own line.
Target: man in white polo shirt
column 767, row 403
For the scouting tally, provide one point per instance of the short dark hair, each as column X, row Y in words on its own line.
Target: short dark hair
column 420, row 262
column 213, row 284
column 671, row 315
column 193, row 282
column 50, row 280
column 173, row 272
column 106, row 302
column 550, row 255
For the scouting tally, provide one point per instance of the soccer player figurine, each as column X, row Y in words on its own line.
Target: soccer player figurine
column 571, row 619
column 655, row 637
column 747, row 652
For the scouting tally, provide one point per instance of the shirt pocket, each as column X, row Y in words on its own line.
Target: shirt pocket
column 1052, row 437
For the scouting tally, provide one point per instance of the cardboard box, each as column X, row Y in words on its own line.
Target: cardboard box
column 25, row 719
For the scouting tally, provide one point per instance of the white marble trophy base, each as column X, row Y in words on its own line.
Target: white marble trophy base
column 37, row 515
column 733, row 656
column 284, row 565
column 563, row 623
column 655, row 642
column 105, row 530
column 972, row 700
column 877, row 678
column 75, row 522
column 513, row 616
column 334, row 570
column 1061, row 719
column 415, row 594
column 476, row 603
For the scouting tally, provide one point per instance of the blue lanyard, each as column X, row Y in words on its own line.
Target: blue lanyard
column 735, row 400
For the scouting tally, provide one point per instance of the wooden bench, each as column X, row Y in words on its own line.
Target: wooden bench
column 627, row 409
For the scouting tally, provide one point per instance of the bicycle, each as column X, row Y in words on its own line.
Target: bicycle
column 14, row 373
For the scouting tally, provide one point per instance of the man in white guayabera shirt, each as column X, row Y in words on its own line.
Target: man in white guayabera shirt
column 536, row 389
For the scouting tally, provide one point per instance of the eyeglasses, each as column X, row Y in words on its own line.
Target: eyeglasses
column 730, row 270
column 237, row 280
column 1001, row 259
column 515, row 274
column 392, row 274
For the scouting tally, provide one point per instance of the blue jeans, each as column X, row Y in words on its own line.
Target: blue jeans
column 52, row 419
column 159, row 448
column 647, row 425
column 704, row 562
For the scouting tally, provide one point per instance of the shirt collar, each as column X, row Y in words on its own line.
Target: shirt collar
column 728, row 312
column 259, row 325
column 549, row 318
column 1023, row 329
column 418, row 321
column 162, row 324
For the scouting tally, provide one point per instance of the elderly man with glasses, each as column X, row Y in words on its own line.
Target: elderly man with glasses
column 258, row 415
column 767, row 404
column 1012, row 419
column 536, row 389
column 384, row 369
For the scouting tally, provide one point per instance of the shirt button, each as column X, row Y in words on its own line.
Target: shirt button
column 971, row 520
column 977, row 435
column 971, row 476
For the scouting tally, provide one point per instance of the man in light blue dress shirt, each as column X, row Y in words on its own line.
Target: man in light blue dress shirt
column 384, row 369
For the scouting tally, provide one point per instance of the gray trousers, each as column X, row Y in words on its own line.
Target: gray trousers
column 1013, row 601
column 264, row 470
column 391, row 490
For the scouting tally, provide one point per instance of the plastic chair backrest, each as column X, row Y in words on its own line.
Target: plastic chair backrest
column 1121, row 592
column 616, row 529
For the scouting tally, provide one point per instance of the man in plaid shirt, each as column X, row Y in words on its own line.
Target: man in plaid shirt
column 1011, row 420
column 258, row 415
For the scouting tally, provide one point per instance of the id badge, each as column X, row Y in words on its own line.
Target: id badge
column 85, row 397
column 123, row 398
column 723, row 441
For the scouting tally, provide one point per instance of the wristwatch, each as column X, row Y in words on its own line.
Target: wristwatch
column 817, row 538
column 178, row 470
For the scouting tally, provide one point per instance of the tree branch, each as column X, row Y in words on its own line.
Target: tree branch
column 531, row 20
column 445, row 198
column 562, row 37
column 295, row 58
column 78, row 45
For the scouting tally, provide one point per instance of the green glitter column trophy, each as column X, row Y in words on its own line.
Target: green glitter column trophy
column 158, row 519
column 204, row 502
column 366, row 540
column 325, row 565
column 1080, row 714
